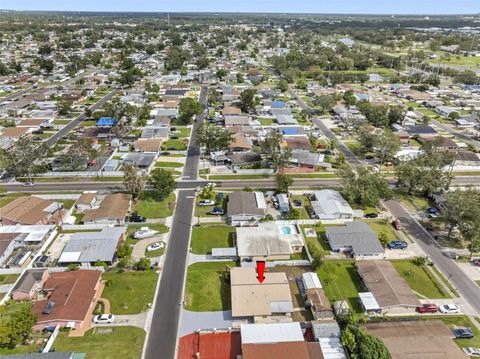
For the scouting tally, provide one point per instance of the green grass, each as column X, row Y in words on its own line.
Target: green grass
column 184, row 132
column 317, row 242
column 206, row 288
column 122, row 342
column 237, row 177
column 131, row 292
column 4, row 200
column 156, row 253
column 341, row 282
column 150, row 205
column 178, row 144
column 205, row 238
column 379, row 226
column 266, row 121
column 8, row 278
column 313, row 175
column 169, row 164
column 61, row 122
column 419, row 279
column 303, row 207
column 201, row 211
column 88, row 123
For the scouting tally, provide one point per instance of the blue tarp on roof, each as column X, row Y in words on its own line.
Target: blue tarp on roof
column 106, row 121
column 290, row 131
column 278, row 104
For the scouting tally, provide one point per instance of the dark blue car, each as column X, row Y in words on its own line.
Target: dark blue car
column 397, row 244
column 216, row 211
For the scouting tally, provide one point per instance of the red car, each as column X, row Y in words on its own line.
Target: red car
column 427, row 308
column 397, row 225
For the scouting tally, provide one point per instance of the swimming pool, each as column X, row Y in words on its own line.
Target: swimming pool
column 286, row 230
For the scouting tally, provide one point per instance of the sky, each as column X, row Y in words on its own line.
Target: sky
column 280, row 6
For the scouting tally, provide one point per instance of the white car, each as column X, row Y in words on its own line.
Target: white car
column 154, row 246
column 448, row 309
column 104, row 319
column 472, row 351
column 206, row 202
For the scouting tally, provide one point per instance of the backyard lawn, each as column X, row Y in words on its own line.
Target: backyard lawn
column 150, row 206
column 8, row 278
column 105, row 343
column 184, row 132
column 206, row 289
column 303, row 207
column 419, row 279
column 205, row 238
column 130, row 292
column 179, row 144
column 341, row 281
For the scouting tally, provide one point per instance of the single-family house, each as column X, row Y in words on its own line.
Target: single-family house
column 315, row 297
column 30, row 210
column 329, row 205
column 112, row 210
column 245, row 207
column 355, row 239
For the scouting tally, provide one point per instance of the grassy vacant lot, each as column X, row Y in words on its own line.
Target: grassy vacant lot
column 151, row 206
column 206, row 288
column 179, row 144
column 341, row 281
column 201, row 211
column 184, row 132
column 8, row 278
column 105, row 343
column 169, row 164
column 130, row 292
column 61, row 122
column 88, row 123
column 205, row 238
column 303, row 207
column 419, row 279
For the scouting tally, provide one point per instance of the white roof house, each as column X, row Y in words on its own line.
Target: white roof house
column 311, row 281
column 330, row 204
column 271, row 333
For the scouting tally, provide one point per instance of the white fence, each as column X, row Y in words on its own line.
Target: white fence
column 84, row 227
column 261, row 171
column 271, row 264
column 58, row 196
column 312, row 221
column 11, row 270
column 81, row 174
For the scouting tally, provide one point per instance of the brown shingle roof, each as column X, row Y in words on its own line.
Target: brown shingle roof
column 26, row 210
column 14, row 132
column 114, row 206
column 148, row 145
column 285, row 350
column 383, row 280
column 72, row 293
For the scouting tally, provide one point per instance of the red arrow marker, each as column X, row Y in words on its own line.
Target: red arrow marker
column 260, row 271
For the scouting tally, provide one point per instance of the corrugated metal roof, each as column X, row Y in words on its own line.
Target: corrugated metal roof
column 311, row 280
column 260, row 199
column 271, row 333
column 368, row 301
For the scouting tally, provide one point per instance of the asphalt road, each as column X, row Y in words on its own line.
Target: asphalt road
column 74, row 123
column 162, row 338
column 455, row 133
column 467, row 288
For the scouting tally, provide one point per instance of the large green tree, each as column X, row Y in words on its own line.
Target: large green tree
column 247, row 100
column 16, row 322
column 163, row 182
column 213, row 137
column 274, row 153
column 132, row 181
column 187, row 108
column 25, row 159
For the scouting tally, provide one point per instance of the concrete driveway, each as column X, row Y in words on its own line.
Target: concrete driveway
column 141, row 245
column 413, row 250
column 136, row 320
column 470, row 270
column 192, row 321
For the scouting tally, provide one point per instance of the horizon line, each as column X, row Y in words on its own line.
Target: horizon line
column 244, row 12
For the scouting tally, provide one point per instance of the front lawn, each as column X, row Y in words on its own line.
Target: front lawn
column 150, row 205
column 201, row 211
column 205, row 238
column 179, row 144
column 169, row 164
column 341, row 282
column 8, row 278
column 419, row 279
column 105, row 343
column 381, row 226
column 207, row 288
column 160, row 228
column 130, row 292
column 303, row 208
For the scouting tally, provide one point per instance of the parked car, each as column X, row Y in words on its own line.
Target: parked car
column 104, row 319
column 217, row 211
column 91, row 163
column 397, row 225
column 154, row 246
column 136, row 218
column 465, row 333
column 164, row 153
column 172, row 148
column 427, row 308
column 397, row 244
column 297, row 203
column 476, row 262
column 371, row 215
column 449, row 309
column 471, row 351
column 206, row 202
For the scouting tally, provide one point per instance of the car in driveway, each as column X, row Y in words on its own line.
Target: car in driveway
column 206, row 202
column 371, row 215
column 155, row 246
column 136, row 218
column 427, row 308
column 397, row 244
column 448, row 309
column 104, row 319
column 463, row 333
column 217, row 211
column 471, row 351
column 397, row 225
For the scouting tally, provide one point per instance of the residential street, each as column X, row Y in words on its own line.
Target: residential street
column 467, row 288
column 162, row 337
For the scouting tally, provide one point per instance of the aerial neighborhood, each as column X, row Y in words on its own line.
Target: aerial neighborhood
column 239, row 185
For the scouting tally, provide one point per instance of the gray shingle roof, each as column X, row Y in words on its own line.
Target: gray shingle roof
column 357, row 235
